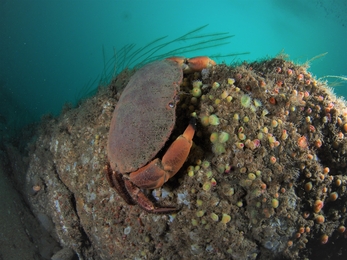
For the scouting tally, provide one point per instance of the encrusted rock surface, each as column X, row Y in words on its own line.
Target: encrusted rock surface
column 265, row 179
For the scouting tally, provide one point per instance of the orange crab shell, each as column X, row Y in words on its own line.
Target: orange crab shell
column 144, row 117
column 141, row 124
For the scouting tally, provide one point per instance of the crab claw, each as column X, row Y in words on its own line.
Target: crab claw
column 157, row 172
column 200, row 63
column 194, row 64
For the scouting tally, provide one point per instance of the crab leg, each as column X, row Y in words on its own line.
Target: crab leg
column 157, row 172
column 116, row 181
column 144, row 202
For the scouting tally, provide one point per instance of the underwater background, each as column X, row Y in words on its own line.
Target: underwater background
column 53, row 52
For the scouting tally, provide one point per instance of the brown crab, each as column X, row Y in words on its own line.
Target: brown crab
column 141, row 124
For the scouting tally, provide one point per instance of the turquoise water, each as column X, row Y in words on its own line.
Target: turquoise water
column 50, row 50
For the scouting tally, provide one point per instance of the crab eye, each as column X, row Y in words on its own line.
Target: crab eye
column 171, row 104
